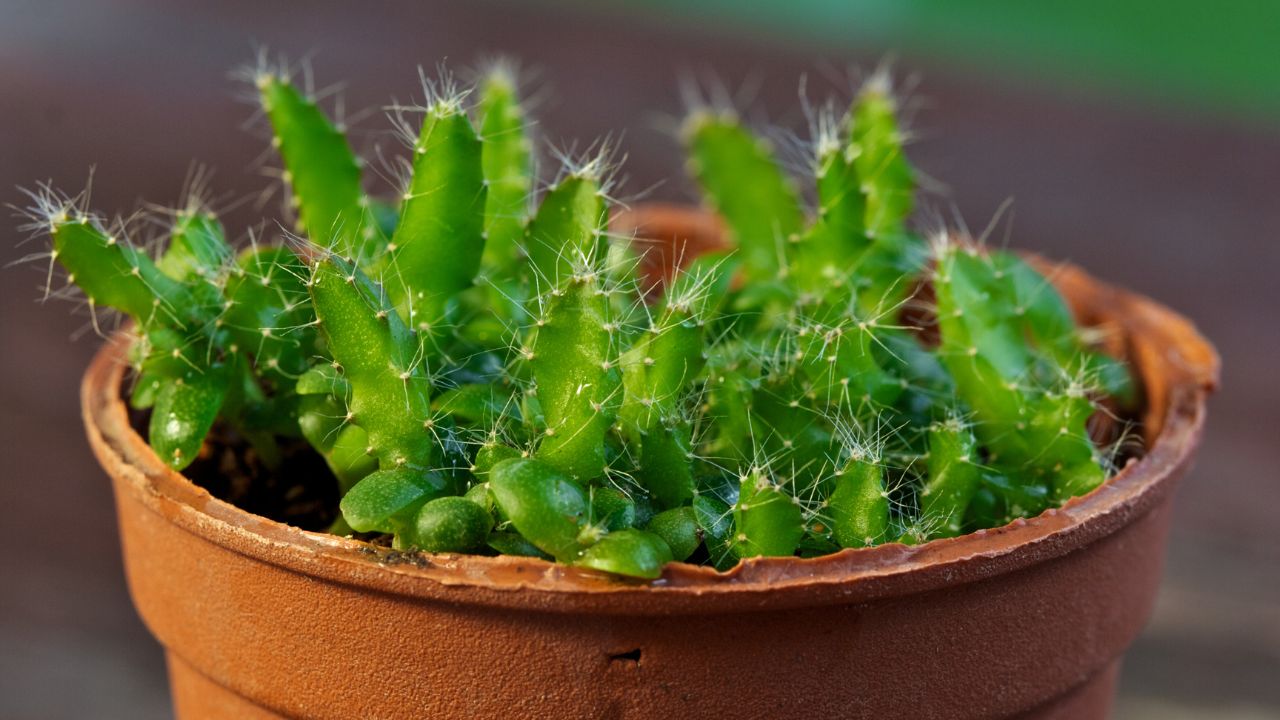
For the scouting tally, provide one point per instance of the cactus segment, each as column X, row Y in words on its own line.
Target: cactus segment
column 742, row 181
column 977, row 287
column 888, row 179
column 321, row 170
column 1048, row 321
column 835, row 242
column 450, row 524
column 666, row 467
column 145, row 389
column 388, row 500
column 631, row 553
column 658, row 372
column 575, row 366
column 322, row 421
column 859, row 505
column 767, row 519
column 1067, row 456
column 112, row 273
column 184, row 411
column 507, row 170
column 611, row 509
column 953, row 476
column 660, row 367
column 840, row 363
column 1000, row 499
column 268, row 312
column 197, row 248
column 566, row 234
column 678, row 527
column 715, row 521
column 1031, row 427
column 489, row 455
column 390, row 392
column 435, row 253
column 547, row 507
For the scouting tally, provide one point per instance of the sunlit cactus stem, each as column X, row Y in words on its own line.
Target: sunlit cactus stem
column 319, row 167
column 379, row 357
column 436, row 250
column 744, row 184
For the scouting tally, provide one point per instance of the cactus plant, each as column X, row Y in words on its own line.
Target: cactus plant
column 487, row 374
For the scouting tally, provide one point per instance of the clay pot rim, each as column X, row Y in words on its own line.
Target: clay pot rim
column 1177, row 365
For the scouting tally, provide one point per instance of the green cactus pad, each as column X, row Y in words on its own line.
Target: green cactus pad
column 632, row 553
column 566, row 234
column 678, row 527
column 507, row 169
column 952, row 478
column 450, row 524
column 543, row 504
column 386, row 500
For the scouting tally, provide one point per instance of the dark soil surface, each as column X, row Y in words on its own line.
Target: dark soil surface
column 301, row 491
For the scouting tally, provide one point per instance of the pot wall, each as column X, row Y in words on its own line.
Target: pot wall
column 314, row 648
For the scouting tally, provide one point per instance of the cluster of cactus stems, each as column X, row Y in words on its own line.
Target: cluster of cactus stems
column 487, row 374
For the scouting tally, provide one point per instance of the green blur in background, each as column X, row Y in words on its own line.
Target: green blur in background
column 1222, row 58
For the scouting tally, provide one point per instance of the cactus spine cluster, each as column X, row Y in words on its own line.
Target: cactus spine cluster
column 484, row 374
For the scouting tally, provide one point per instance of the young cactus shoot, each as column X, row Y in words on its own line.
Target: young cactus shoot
column 484, row 369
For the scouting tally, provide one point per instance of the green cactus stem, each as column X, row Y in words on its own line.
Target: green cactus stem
column 436, row 250
column 743, row 183
column 379, row 357
column 953, row 475
column 575, row 368
column 320, row 168
column 450, row 524
column 184, row 411
column 678, row 528
column 887, row 178
column 634, row 553
column 859, row 504
column 1035, row 431
column 567, row 232
column 658, row 374
column 388, row 501
column 767, row 519
column 112, row 273
column 508, row 170
column 197, row 248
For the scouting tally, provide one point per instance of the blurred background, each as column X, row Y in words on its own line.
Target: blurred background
column 1140, row 139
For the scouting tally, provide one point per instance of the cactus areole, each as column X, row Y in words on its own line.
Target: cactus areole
column 488, row 366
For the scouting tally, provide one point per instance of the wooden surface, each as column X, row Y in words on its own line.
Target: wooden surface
column 1182, row 208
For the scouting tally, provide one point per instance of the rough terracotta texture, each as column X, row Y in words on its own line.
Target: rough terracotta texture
column 1024, row 621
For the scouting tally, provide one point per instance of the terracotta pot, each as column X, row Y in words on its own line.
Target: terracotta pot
column 1030, row 620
